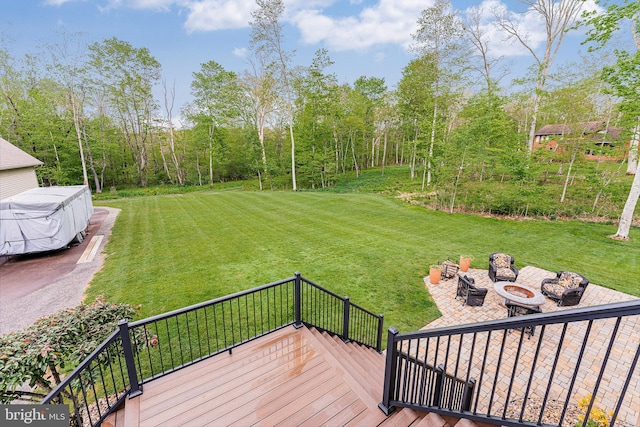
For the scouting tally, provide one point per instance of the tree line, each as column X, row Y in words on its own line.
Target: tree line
column 90, row 114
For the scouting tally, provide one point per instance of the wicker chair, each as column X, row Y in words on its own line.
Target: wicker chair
column 566, row 288
column 514, row 309
column 501, row 268
column 469, row 293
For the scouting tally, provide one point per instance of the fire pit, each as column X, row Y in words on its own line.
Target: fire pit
column 519, row 293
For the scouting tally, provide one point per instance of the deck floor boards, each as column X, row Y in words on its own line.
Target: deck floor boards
column 284, row 378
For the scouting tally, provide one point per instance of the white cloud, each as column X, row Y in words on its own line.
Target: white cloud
column 388, row 22
column 530, row 25
column 212, row 15
column 240, row 52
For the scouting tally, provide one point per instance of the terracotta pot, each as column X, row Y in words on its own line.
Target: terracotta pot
column 434, row 275
column 465, row 263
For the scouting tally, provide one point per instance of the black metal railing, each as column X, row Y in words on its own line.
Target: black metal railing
column 99, row 384
column 328, row 311
column 587, row 354
column 151, row 348
column 427, row 385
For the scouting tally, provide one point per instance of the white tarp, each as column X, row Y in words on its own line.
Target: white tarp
column 44, row 219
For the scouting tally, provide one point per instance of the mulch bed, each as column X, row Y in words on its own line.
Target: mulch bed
column 552, row 411
column 551, row 415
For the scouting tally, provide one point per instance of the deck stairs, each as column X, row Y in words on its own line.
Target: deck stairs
column 362, row 369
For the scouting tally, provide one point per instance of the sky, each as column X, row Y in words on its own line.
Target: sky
column 369, row 38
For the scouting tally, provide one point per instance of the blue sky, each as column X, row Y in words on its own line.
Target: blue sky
column 363, row 37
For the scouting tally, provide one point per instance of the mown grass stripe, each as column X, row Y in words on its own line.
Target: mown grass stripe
column 168, row 252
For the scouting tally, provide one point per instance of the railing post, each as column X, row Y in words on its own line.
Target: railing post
column 297, row 297
column 345, row 319
column 437, row 389
column 389, row 372
column 379, row 338
column 136, row 389
column 467, row 396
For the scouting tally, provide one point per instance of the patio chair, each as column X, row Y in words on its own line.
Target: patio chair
column 566, row 288
column 469, row 293
column 514, row 309
column 501, row 268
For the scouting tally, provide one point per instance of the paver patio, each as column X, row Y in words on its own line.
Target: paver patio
column 455, row 313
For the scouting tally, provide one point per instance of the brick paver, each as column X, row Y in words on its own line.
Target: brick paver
column 455, row 313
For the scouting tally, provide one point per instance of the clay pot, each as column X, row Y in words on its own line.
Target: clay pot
column 434, row 275
column 465, row 263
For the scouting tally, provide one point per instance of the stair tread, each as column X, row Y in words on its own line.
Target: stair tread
column 367, row 377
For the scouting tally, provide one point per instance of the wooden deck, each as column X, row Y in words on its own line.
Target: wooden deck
column 290, row 377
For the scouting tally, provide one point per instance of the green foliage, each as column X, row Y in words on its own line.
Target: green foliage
column 37, row 355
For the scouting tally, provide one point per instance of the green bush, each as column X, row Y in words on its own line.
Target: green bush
column 37, row 355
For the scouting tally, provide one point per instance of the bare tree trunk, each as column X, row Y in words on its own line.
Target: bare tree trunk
column 172, row 146
column 262, row 114
column 566, row 181
column 632, row 163
column 165, row 166
column 76, row 124
column 455, row 185
column 626, row 219
column 211, row 131
column 353, row 153
column 433, row 139
column 384, row 150
column 96, row 179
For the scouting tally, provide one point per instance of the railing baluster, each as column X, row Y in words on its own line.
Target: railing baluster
column 576, row 368
column 533, row 367
column 484, row 363
column 632, row 368
column 455, row 372
column 513, row 373
column 603, row 367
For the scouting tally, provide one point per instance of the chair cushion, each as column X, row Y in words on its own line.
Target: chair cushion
column 569, row 280
column 502, row 261
column 505, row 272
column 555, row 288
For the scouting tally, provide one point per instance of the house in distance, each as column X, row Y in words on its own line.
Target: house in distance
column 597, row 140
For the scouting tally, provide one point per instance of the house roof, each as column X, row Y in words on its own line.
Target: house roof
column 564, row 129
column 11, row 157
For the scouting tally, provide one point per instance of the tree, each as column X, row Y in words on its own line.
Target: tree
column 169, row 100
column 68, row 67
column 624, row 80
column 415, row 100
column 440, row 35
column 216, row 94
column 317, row 99
column 477, row 36
column 127, row 76
column 266, row 40
column 259, row 102
column 558, row 18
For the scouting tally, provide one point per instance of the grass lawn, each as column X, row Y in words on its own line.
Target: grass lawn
column 167, row 252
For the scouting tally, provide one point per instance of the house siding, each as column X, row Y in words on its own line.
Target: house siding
column 15, row 181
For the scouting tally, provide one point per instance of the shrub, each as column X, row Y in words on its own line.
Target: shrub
column 597, row 417
column 37, row 355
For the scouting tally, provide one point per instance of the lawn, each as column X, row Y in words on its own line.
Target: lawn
column 167, row 252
